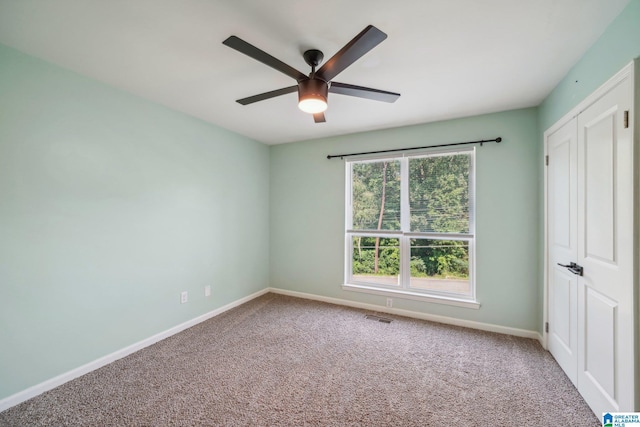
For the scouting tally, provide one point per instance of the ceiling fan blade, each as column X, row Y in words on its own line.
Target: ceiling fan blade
column 363, row 92
column 261, row 56
column 368, row 38
column 319, row 118
column 267, row 95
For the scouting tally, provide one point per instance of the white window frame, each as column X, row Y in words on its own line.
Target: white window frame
column 405, row 235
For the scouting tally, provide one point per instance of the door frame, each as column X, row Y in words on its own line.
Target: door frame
column 627, row 71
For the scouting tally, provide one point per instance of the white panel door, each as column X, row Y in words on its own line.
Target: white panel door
column 563, row 246
column 605, row 251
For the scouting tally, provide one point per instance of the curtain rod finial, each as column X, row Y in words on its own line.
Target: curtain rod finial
column 498, row 139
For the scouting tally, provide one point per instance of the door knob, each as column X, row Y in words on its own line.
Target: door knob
column 574, row 268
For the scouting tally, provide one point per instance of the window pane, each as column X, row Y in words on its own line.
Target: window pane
column 439, row 193
column 376, row 260
column 376, row 195
column 440, row 265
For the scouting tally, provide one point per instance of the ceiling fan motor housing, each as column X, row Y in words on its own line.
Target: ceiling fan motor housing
column 313, row 87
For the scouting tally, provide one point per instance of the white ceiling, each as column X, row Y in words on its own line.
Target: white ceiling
column 448, row 58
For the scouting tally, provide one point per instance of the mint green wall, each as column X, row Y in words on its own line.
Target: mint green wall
column 307, row 214
column 110, row 206
column 618, row 46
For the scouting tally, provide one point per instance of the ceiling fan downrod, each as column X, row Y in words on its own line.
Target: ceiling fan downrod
column 313, row 57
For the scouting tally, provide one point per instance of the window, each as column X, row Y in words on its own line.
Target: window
column 410, row 226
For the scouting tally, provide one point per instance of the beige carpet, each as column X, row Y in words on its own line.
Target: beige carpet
column 280, row 361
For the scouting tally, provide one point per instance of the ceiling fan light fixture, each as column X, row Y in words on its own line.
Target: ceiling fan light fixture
column 312, row 105
column 312, row 96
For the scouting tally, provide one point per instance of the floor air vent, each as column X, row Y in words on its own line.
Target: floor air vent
column 378, row 318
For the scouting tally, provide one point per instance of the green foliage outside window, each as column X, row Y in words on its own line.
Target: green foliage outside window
column 439, row 202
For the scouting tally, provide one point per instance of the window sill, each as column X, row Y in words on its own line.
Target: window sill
column 436, row 299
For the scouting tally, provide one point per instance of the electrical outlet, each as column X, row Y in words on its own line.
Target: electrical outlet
column 184, row 297
column 389, row 302
column 207, row 291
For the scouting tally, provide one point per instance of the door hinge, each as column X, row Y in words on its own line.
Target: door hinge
column 546, row 327
column 546, row 160
column 626, row 119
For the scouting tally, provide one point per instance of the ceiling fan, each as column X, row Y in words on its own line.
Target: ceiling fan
column 314, row 89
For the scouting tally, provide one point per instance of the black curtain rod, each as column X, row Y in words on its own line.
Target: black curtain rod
column 498, row 140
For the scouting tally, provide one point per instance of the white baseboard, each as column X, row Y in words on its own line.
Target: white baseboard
column 52, row 383
column 417, row 315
